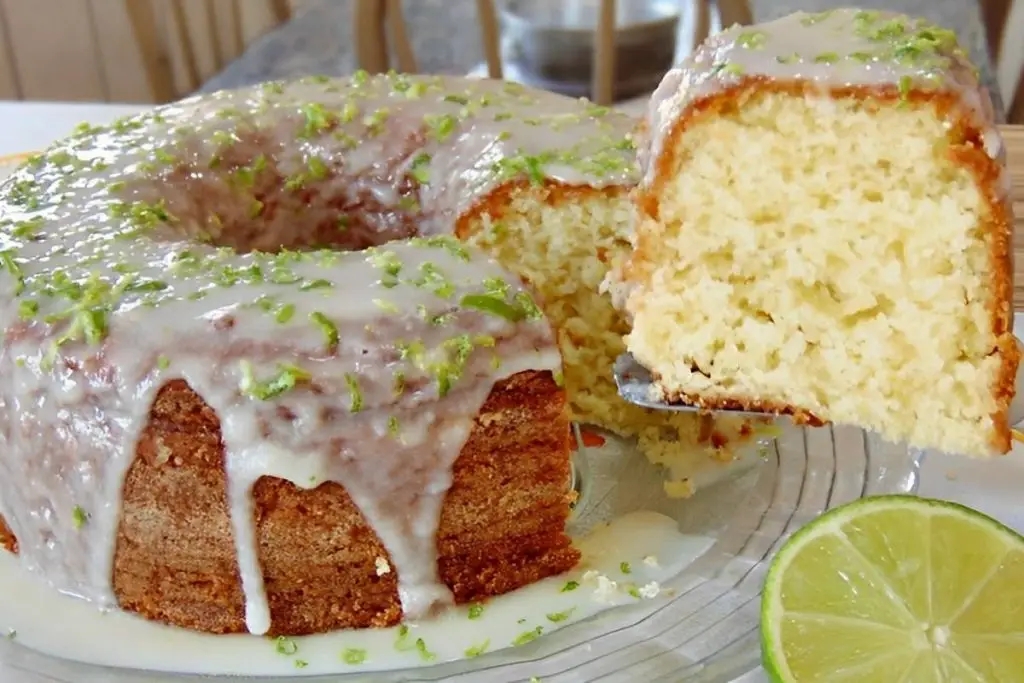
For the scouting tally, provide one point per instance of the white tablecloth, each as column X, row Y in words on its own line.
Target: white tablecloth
column 992, row 486
column 29, row 126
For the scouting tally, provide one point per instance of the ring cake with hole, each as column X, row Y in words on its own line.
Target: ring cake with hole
column 256, row 378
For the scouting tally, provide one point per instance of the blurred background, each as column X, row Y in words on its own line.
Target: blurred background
column 144, row 51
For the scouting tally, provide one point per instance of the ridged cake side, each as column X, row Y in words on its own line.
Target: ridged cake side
column 281, row 256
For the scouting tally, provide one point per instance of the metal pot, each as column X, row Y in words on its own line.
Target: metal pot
column 551, row 44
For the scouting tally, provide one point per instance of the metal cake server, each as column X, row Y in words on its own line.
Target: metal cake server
column 634, row 384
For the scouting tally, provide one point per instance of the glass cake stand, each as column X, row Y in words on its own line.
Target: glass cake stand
column 705, row 631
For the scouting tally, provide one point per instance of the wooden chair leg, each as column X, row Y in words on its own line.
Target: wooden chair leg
column 237, row 34
column 213, row 26
column 282, row 10
column 1015, row 114
column 993, row 15
column 701, row 22
column 369, row 35
column 734, row 12
column 603, row 79
column 188, row 49
column 491, row 37
column 399, row 36
column 155, row 59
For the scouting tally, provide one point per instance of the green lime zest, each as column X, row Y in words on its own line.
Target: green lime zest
column 528, row 636
column 419, row 169
column 355, row 393
column 288, row 377
column 327, row 327
column 27, row 309
column 403, row 641
column 425, row 654
column 318, row 283
column 753, row 40
column 556, row 617
column 79, row 517
column 285, row 313
column 494, row 306
column 285, row 646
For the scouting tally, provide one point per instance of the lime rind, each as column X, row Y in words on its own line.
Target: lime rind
column 831, row 523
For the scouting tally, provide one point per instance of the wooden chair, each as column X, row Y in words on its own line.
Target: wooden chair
column 221, row 25
column 1003, row 19
column 375, row 19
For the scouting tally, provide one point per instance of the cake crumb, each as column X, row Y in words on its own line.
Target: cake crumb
column 163, row 452
column 682, row 488
column 650, row 590
column 382, row 566
column 605, row 589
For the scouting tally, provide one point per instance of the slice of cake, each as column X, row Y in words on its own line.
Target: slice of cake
column 823, row 229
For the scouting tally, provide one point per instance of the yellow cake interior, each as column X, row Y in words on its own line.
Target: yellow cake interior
column 827, row 254
column 563, row 242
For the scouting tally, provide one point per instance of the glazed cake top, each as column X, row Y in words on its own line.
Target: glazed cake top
column 317, row 164
column 835, row 49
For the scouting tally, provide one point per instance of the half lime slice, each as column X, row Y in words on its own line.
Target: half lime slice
column 896, row 588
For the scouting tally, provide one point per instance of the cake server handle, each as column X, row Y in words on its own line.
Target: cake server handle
column 634, row 384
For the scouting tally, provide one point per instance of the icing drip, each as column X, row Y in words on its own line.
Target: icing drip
column 344, row 420
column 206, row 241
column 66, row 506
column 830, row 50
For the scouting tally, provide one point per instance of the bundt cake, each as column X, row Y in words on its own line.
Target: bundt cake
column 260, row 374
column 823, row 230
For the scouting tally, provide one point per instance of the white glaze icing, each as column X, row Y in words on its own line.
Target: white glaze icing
column 830, row 51
column 138, row 253
column 650, row 544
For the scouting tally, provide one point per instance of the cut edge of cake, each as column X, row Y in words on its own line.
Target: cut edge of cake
column 563, row 240
column 694, row 213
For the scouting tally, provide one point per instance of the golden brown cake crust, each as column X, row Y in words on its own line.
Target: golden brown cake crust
column 7, row 540
column 502, row 524
column 552, row 192
column 966, row 148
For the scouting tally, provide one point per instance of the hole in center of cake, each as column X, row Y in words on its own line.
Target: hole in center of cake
column 252, row 195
